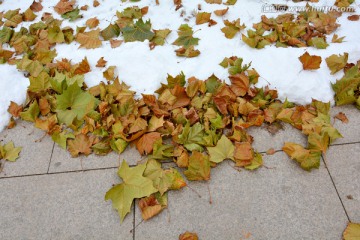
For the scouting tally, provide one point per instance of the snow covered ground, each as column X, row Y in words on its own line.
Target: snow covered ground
column 143, row 69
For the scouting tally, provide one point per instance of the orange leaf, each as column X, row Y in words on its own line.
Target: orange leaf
column 221, row 12
column 89, row 39
column 64, row 6
column 83, row 67
column 310, row 62
column 92, row 22
column 36, row 6
column 115, row 43
column 81, row 144
column 15, row 109
column 101, row 62
column 146, row 142
column 342, row 117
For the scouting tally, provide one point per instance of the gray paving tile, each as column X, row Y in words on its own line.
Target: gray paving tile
column 343, row 162
column 63, row 162
column 61, row 206
column 263, row 140
column 34, row 157
column 350, row 130
column 280, row 203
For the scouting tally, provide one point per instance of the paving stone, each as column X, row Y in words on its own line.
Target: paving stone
column 263, row 140
column 63, row 162
column 350, row 130
column 34, row 157
column 284, row 202
column 343, row 162
column 61, row 206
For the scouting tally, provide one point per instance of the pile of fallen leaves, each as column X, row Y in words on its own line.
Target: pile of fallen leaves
column 198, row 123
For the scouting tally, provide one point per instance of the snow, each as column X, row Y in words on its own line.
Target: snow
column 144, row 69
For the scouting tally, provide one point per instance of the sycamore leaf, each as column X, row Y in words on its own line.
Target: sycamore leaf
column 9, row 152
column 190, row 235
column 101, row 62
column 337, row 39
column 152, row 205
column 319, row 142
column 230, row 2
column 163, row 180
column 155, row 123
column 224, row 150
column 199, row 167
column 92, row 22
column 64, row 6
column 202, row 17
column 214, row 1
column 72, row 15
column 221, row 12
column 345, row 87
column 231, row 28
column 336, row 63
column 110, row 31
column 192, row 137
column 81, row 144
column 36, row 6
column 31, row 113
column 134, row 185
column 29, row 15
column 89, row 40
column 186, row 38
column 318, row 42
column 61, row 138
column 160, row 35
column 352, row 231
column 119, row 145
column 140, row 31
column 115, row 43
column 74, row 103
column 145, row 144
column 187, row 52
column 14, row 109
column 342, row 117
column 308, row 159
column 310, row 62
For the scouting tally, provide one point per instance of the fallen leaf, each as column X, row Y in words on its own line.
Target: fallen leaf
column 270, row 151
column 202, row 17
column 199, row 167
column 115, row 43
column 9, row 152
column 342, row 117
column 310, row 62
column 352, row 231
column 221, row 12
column 336, row 62
column 81, row 144
column 189, row 235
column 92, row 22
column 224, row 149
column 89, row 40
column 101, row 62
column 36, row 6
column 145, row 144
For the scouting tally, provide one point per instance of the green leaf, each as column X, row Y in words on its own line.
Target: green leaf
column 110, row 31
column 9, row 152
column 223, row 150
column 192, row 137
column 61, row 138
column 6, row 34
column 336, row 63
column 231, row 28
column 199, row 167
column 39, row 83
column 256, row 162
column 186, row 38
column 345, row 88
column 139, row 32
column 318, row 43
column 134, row 185
column 55, row 35
column 308, row 159
column 160, row 35
column 32, row 113
column 72, row 15
column 74, row 103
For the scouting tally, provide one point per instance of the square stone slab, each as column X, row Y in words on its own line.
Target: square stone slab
column 284, row 202
column 350, row 130
column 343, row 162
column 263, row 140
column 62, row 161
column 35, row 155
column 61, row 206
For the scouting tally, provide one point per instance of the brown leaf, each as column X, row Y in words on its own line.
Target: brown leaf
column 115, row 43
column 239, row 84
column 84, row 8
column 145, row 144
column 92, row 22
column 96, row 3
column 342, row 117
column 221, row 12
column 202, row 17
column 353, row 18
column 64, row 6
column 101, row 62
column 36, row 6
column 89, row 39
column 188, row 236
column 44, row 106
column 15, row 109
column 81, row 144
column 270, row 151
column 83, row 67
column 310, row 62
column 149, row 207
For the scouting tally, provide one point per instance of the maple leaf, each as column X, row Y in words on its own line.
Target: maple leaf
column 89, row 40
column 335, row 63
column 190, row 235
column 134, row 185
column 152, row 205
column 230, row 2
column 145, row 144
column 110, row 31
column 199, row 167
column 155, row 123
column 160, row 35
column 308, row 159
column 185, row 38
column 74, row 103
column 231, row 28
column 9, row 152
column 64, row 6
column 187, row 52
column 192, row 137
column 318, row 42
column 202, row 17
column 319, row 142
column 310, row 62
column 140, row 31
column 352, row 231
column 224, row 150
column 343, row 3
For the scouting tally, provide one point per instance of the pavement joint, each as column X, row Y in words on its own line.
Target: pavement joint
column 337, row 192
column 340, row 144
column 52, row 151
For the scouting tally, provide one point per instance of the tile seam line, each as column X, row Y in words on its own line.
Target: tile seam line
column 340, row 144
column 337, row 192
column 52, row 151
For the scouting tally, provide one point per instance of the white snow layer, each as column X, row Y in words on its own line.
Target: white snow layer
column 144, row 69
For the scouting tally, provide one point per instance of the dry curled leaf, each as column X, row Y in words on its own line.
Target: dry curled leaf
column 36, row 6
column 188, row 236
column 115, row 43
column 353, row 18
column 101, row 62
column 96, row 3
column 342, row 117
column 64, row 6
column 221, row 12
column 92, row 22
column 89, row 39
